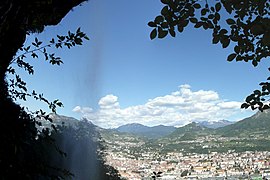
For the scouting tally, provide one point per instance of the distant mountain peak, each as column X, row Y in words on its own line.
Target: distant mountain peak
column 142, row 130
column 259, row 113
column 134, row 124
column 215, row 124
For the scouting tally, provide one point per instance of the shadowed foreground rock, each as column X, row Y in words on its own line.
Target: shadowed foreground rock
column 20, row 153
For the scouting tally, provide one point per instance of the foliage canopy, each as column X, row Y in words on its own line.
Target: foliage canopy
column 22, row 143
column 243, row 24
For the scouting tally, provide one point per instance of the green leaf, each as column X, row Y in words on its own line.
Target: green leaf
column 230, row 21
column 223, row 31
column 197, row 6
column 164, row 25
column 249, row 98
column 204, row 11
column 34, row 55
column 193, row 20
column 231, row 57
column 165, row 1
column 211, row 16
column 239, row 58
column 153, row 34
column 52, row 41
column 162, row 33
column 198, row 24
column 217, row 16
column 257, row 92
column 61, row 38
column 237, row 49
column 234, row 38
column 180, row 28
column 78, row 30
column 165, row 10
column 159, row 19
column 60, row 104
column 152, row 24
column 205, row 26
column 218, row 6
column 244, row 105
column 215, row 39
column 172, row 32
column 228, row 7
column 266, row 107
column 210, row 25
column 185, row 23
column 225, row 42
column 254, row 63
column 27, row 48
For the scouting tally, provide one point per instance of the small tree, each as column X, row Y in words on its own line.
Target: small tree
column 156, row 175
column 184, row 173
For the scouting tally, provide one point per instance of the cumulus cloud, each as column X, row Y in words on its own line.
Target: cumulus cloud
column 229, row 105
column 108, row 102
column 83, row 110
column 178, row 108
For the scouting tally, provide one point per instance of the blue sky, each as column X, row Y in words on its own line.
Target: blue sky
column 121, row 76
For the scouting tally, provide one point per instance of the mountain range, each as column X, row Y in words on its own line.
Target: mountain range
column 154, row 132
column 159, row 131
column 258, row 123
column 252, row 133
column 215, row 124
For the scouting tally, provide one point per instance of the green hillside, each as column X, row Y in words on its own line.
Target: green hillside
column 189, row 132
column 249, row 134
column 258, row 124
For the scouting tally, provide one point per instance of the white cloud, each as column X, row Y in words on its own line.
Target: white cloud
column 83, row 110
column 229, row 105
column 178, row 108
column 108, row 102
column 77, row 109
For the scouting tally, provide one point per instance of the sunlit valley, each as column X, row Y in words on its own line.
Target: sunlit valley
column 205, row 150
column 134, row 90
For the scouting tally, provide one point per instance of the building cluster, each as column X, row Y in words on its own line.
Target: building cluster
column 179, row 165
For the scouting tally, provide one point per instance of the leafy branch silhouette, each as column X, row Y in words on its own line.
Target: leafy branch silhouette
column 18, row 87
column 245, row 25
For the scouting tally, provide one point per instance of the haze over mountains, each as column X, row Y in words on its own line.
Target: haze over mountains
column 215, row 124
column 150, row 132
column 251, row 133
column 258, row 123
column 156, row 132
column 134, row 141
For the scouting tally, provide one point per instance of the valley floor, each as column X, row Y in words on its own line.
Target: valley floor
column 175, row 165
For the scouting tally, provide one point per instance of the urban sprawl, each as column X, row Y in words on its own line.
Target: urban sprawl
column 180, row 165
